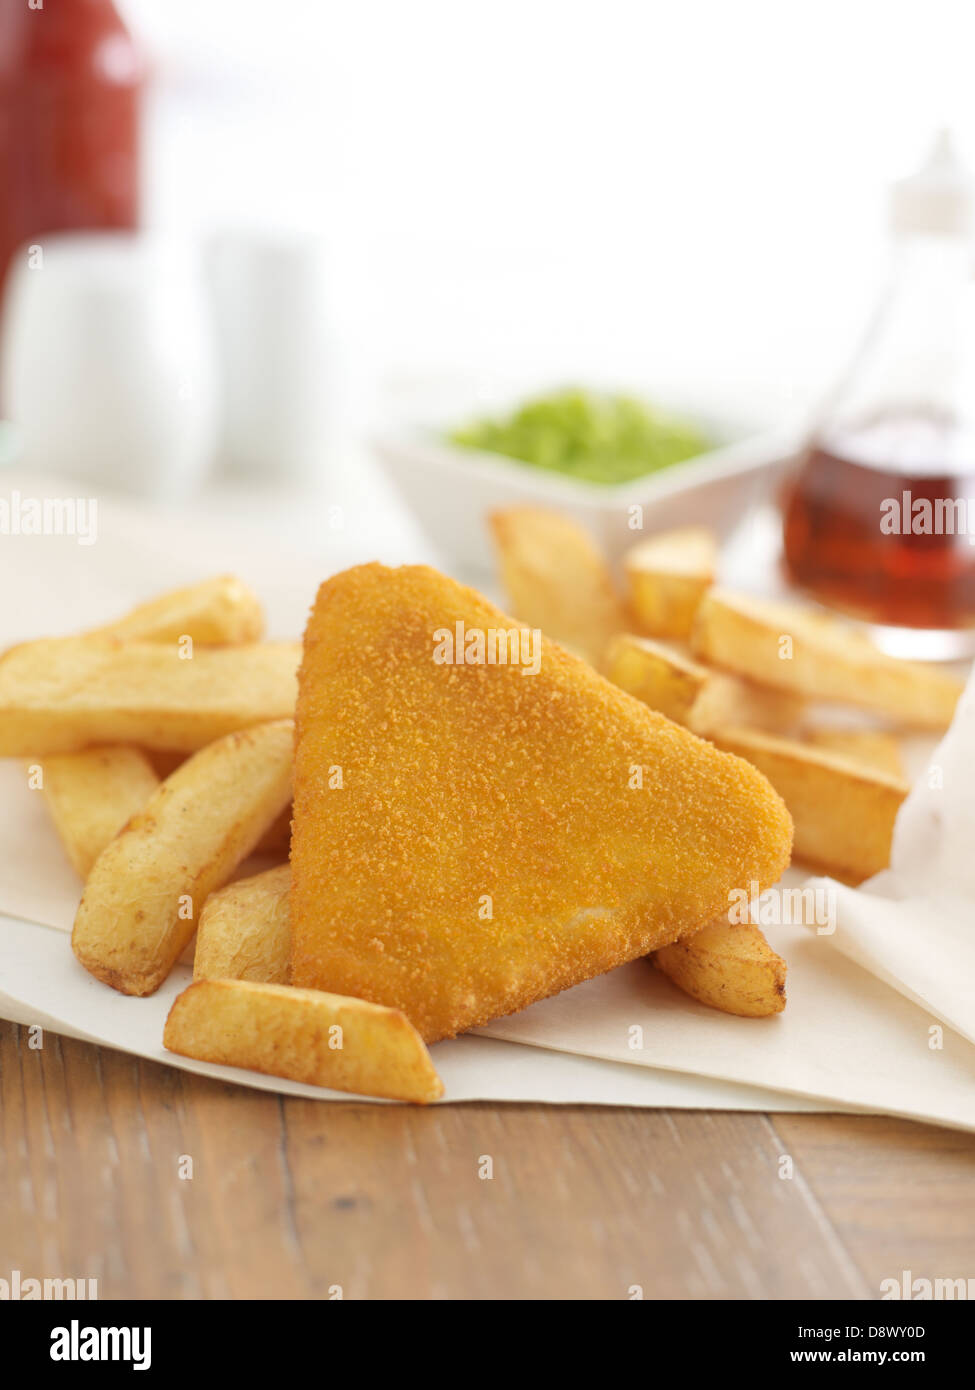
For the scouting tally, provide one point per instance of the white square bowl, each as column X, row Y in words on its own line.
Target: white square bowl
column 451, row 491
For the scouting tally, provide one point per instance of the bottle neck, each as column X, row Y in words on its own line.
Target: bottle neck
column 934, row 259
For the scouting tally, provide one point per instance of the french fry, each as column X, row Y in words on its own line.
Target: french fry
column 557, row 580
column 92, row 795
column 874, row 748
column 216, row 612
column 843, row 812
column 145, row 891
column 661, row 678
column 304, row 1035
column 817, row 657
column 245, row 931
column 729, row 966
column 667, row 576
column 65, row 694
column 690, row 693
column 727, row 700
column 278, row 837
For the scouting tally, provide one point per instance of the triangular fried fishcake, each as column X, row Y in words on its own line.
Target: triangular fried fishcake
column 470, row 837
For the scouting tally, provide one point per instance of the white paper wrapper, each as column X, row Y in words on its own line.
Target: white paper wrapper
column 913, row 925
column 844, row 1037
column 846, row 1040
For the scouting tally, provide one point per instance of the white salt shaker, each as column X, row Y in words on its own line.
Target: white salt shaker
column 272, row 329
column 107, row 362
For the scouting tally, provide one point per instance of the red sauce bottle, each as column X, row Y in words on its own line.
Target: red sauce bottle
column 71, row 81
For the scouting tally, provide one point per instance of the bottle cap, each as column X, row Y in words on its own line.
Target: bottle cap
column 939, row 199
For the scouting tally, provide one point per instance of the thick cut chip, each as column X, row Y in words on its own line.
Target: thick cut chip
column 92, row 795
column 304, row 1035
column 245, row 931
column 556, row 579
column 470, row 838
column 874, row 748
column 216, row 612
column 661, row 678
column 668, row 575
column 843, row 811
column 729, row 966
column 65, row 694
column 145, row 891
column 692, row 694
column 813, row 655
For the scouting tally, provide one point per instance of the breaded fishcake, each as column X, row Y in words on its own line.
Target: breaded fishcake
column 469, row 838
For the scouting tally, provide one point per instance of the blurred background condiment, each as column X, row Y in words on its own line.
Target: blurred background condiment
column 876, row 520
column 107, row 363
column 71, row 85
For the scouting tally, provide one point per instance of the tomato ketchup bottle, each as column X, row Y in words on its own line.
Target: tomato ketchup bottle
column 71, row 82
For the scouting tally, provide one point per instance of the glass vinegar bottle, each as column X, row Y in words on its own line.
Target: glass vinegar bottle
column 879, row 518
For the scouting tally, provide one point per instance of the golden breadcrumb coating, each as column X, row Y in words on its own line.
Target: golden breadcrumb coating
column 471, row 838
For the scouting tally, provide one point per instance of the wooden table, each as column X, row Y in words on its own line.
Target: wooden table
column 291, row 1198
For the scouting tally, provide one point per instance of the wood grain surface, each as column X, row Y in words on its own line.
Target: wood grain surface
column 163, row 1184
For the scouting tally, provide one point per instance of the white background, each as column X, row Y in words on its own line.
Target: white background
column 687, row 196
